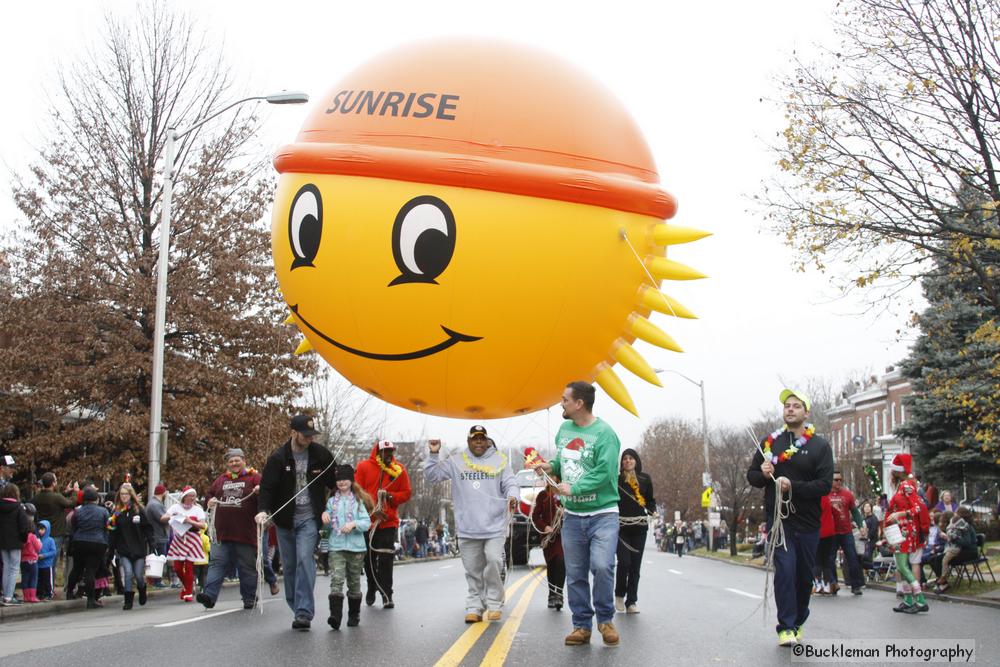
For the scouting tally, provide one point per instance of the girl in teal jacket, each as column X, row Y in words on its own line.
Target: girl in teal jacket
column 347, row 516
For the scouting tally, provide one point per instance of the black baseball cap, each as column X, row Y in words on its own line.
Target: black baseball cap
column 477, row 430
column 304, row 424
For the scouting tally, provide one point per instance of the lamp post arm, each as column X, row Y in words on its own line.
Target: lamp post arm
column 179, row 135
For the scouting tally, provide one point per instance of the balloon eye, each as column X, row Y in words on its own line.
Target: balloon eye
column 305, row 225
column 423, row 240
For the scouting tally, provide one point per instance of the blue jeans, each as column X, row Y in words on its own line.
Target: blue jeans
column 11, row 566
column 225, row 556
column 299, row 562
column 132, row 567
column 793, row 576
column 269, row 576
column 851, row 566
column 589, row 544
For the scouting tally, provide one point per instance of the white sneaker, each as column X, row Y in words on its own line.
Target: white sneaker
column 632, row 609
column 619, row 604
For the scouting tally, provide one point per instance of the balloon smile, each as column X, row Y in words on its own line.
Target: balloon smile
column 453, row 338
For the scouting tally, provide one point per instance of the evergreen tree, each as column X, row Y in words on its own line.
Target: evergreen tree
column 954, row 413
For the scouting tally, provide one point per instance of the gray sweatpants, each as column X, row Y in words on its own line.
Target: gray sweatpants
column 483, row 562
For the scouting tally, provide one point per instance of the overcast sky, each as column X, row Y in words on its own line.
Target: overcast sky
column 692, row 74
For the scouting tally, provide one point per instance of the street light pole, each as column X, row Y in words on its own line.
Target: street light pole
column 704, row 440
column 162, row 267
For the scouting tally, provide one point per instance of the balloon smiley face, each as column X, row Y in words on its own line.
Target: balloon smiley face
column 446, row 275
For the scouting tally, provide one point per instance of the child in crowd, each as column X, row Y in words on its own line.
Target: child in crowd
column 347, row 516
column 201, row 566
column 46, row 562
column 29, row 558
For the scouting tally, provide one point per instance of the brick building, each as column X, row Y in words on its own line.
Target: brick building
column 862, row 425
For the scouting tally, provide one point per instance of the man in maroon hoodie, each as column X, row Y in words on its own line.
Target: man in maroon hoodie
column 387, row 482
column 233, row 498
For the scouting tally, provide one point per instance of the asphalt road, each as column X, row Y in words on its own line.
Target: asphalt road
column 693, row 612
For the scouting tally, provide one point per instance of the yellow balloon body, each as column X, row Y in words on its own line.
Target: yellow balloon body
column 536, row 292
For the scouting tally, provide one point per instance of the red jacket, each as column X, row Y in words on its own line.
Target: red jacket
column 826, row 526
column 371, row 478
column 917, row 522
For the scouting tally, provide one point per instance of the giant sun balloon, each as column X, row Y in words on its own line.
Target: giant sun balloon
column 463, row 227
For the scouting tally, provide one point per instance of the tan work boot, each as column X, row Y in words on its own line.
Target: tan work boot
column 493, row 615
column 609, row 633
column 578, row 637
column 473, row 617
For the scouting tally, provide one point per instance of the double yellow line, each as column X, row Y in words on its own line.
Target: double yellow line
column 498, row 651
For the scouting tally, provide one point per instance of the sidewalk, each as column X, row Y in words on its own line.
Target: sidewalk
column 988, row 599
column 40, row 609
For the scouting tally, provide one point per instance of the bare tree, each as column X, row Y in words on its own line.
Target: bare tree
column 884, row 131
column 81, row 316
column 344, row 415
column 672, row 454
column 732, row 450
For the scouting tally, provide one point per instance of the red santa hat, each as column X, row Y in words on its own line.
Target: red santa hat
column 902, row 463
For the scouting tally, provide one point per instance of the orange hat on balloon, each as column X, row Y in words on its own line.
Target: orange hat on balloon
column 456, row 231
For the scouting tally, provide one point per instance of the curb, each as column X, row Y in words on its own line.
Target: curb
column 979, row 602
column 42, row 609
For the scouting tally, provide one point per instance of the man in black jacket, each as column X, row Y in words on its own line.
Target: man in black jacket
column 293, row 492
column 802, row 464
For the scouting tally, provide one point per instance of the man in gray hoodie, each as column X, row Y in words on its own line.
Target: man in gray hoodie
column 483, row 489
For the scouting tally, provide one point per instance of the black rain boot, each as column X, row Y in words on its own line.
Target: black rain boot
column 370, row 596
column 353, row 612
column 336, row 611
column 91, row 596
column 129, row 597
column 142, row 596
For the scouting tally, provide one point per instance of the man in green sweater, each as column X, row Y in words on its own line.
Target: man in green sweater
column 587, row 462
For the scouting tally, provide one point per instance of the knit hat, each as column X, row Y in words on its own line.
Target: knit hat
column 902, row 463
column 159, row 490
column 344, row 472
column 235, row 451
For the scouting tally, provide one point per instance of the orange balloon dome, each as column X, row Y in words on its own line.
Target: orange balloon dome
column 486, row 115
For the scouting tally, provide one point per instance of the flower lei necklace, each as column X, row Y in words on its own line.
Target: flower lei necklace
column 634, row 483
column 799, row 443
column 485, row 469
column 237, row 475
column 393, row 470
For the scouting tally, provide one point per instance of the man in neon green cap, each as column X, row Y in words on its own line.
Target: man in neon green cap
column 801, row 463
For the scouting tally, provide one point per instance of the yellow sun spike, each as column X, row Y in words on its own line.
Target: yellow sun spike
column 673, row 234
column 645, row 330
column 656, row 300
column 612, row 384
column 668, row 269
column 626, row 355
column 304, row 346
column 290, row 319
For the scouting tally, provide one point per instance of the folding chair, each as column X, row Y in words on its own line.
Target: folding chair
column 981, row 559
